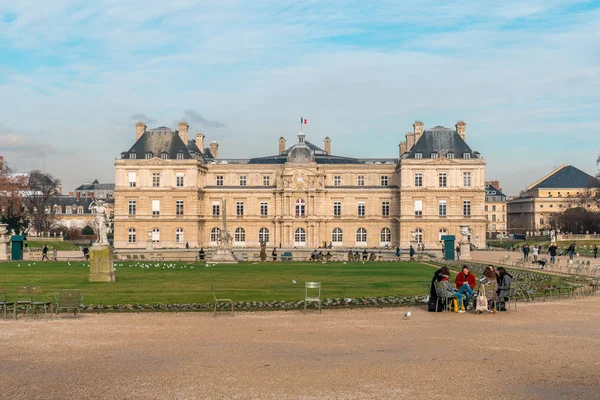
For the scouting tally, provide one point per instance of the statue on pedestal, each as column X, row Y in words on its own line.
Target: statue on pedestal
column 224, row 252
column 101, row 221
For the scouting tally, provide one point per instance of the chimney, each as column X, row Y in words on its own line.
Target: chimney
column 140, row 128
column 461, row 128
column 418, row 130
column 281, row 145
column 402, row 148
column 70, row 194
column 77, row 195
column 183, row 131
column 91, row 194
column 200, row 142
column 214, row 147
column 495, row 184
column 327, row 145
column 410, row 141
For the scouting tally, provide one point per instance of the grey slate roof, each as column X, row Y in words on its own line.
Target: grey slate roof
column 567, row 177
column 491, row 191
column 64, row 201
column 321, row 157
column 97, row 186
column 441, row 140
column 164, row 140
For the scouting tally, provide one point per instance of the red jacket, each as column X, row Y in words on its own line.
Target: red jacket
column 460, row 280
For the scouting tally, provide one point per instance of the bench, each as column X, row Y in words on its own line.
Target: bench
column 287, row 256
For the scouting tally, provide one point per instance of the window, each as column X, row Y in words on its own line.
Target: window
column 57, row 210
column 214, row 235
column 179, row 207
column 155, row 235
column 418, row 156
column 418, row 179
column 179, row 176
column 68, row 210
column 360, row 180
column 239, row 208
column 300, row 206
column 442, row 208
column 542, row 221
column 336, row 235
column 148, row 156
column 442, row 179
column 466, row 156
column 80, row 209
column 494, row 208
column 219, row 180
column 385, row 208
column 263, row 235
column 300, row 237
column 466, row 179
column 179, row 235
column 384, row 180
column 156, row 179
column 337, row 180
column 239, row 235
column 434, row 156
column 155, row 208
column 361, row 235
column 337, row 208
column 450, row 156
column 132, row 156
column 243, row 180
column 130, row 207
column 164, row 156
column 419, row 235
column 494, row 227
column 216, row 208
column 132, row 179
column 264, row 208
column 361, row 208
column 486, row 208
column 385, row 236
column 180, row 156
column 493, row 217
column 266, row 180
column 131, row 235
column 442, row 232
column 418, row 208
column 466, row 208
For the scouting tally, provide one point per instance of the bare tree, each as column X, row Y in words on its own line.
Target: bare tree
column 40, row 198
column 12, row 208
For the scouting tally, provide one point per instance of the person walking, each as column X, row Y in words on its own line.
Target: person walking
column 595, row 250
column 398, row 252
column 535, row 253
column 45, row 253
column 411, row 252
column 552, row 250
column 571, row 250
column 274, row 254
column 458, row 253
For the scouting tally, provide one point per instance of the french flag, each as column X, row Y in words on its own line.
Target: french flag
column 302, row 121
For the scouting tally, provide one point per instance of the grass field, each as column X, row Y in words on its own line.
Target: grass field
column 166, row 282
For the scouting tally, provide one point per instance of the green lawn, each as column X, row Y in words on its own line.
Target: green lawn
column 39, row 245
column 171, row 282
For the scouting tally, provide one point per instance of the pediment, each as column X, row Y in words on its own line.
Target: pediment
column 154, row 161
column 443, row 161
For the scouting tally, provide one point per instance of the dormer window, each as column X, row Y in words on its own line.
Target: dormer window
column 466, row 156
column 164, row 156
column 132, row 156
column 418, row 156
column 450, row 156
column 434, row 156
column 148, row 156
column 180, row 156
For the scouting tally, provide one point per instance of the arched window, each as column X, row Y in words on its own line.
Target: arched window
column 419, row 235
column 443, row 232
column 336, row 235
column 300, row 208
column 361, row 235
column 179, row 235
column 155, row 235
column 300, row 237
column 385, row 236
column 240, row 235
column 131, row 236
column 263, row 235
column 214, row 235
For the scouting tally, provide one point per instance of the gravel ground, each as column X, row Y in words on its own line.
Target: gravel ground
column 544, row 351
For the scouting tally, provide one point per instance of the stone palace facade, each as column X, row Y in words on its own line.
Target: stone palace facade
column 169, row 191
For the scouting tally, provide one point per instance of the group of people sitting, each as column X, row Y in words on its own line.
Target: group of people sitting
column 319, row 256
column 494, row 283
column 365, row 255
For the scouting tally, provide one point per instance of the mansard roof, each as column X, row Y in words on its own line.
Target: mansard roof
column 320, row 156
column 565, row 177
column 440, row 140
column 164, row 140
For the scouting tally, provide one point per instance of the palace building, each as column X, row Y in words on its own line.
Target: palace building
column 169, row 190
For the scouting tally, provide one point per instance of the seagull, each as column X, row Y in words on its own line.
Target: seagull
column 407, row 314
column 294, row 281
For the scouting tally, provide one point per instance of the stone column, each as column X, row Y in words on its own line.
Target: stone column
column 465, row 250
column 4, row 243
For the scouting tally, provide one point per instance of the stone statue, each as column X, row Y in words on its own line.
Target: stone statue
column 101, row 221
column 224, row 253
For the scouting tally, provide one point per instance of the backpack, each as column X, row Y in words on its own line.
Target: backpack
column 482, row 303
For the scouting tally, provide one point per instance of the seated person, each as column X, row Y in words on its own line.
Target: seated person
column 465, row 284
column 365, row 255
column 444, row 277
column 490, row 285
column 372, row 256
column 356, row 256
column 542, row 262
column 201, row 255
column 504, row 279
column 320, row 256
column 350, row 256
column 328, row 256
column 313, row 255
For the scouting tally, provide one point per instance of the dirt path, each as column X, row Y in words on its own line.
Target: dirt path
column 543, row 351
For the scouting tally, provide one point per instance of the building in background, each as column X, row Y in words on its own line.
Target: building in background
column 495, row 210
column 169, row 191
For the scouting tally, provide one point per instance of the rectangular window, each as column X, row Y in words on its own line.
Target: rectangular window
column 493, row 217
column 337, row 208
column 442, row 179
column 442, row 208
column 179, row 179
column 434, row 156
column 243, row 180
column 155, row 208
column 418, row 208
column 467, row 156
column 418, row 179
column 80, row 209
column 264, row 208
column 156, row 179
column 239, row 208
column 450, row 156
column 384, row 180
column 131, row 207
column 266, row 180
column 467, row 208
column 466, row 179
column 216, row 209
column 418, row 156
column 361, row 208
column 385, row 208
column 337, row 180
column 493, row 208
column 360, row 180
column 69, row 210
column 132, row 156
column 493, row 226
column 486, row 208
column 132, row 179
column 179, row 207
column 219, row 180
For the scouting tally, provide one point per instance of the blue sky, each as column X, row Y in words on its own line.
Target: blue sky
column 75, row 76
